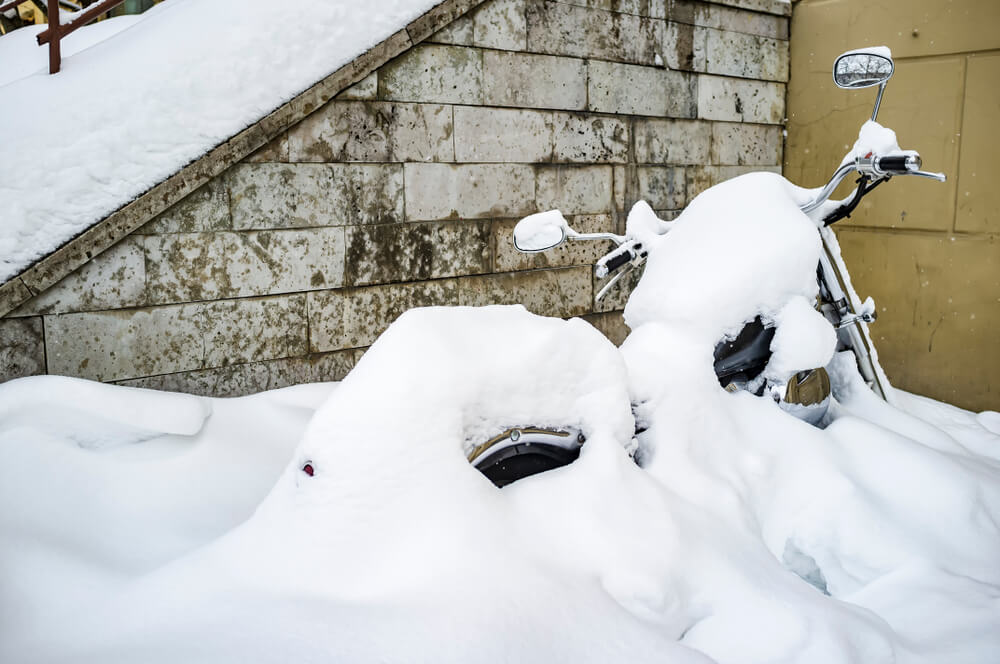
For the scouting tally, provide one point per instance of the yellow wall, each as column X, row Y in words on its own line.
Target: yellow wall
column 929, row 253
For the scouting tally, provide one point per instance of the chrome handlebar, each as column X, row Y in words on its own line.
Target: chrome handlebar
column 877, row 167
column 874, row 166
column 825, row 192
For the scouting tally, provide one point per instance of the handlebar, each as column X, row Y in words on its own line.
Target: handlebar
column 875, row 167
column 616, row 262
column 623, row 255
column 897, row 164
column 902, row 164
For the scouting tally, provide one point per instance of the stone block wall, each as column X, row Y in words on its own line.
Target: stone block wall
column 403, row 192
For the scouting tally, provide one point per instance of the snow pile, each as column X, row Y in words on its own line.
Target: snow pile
column 874, row 139
column 803, row 339
column 887, row 517
column 84, row 418
column 182, row 78
column 79, row 521
column 535, row 376
column 887, row 522
column 741, row 535
column 396, row 549
column 748, row 536
column 761, row 251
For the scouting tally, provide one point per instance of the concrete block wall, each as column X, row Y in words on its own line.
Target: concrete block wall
column 403, row 192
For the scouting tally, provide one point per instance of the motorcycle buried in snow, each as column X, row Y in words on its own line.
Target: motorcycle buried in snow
column 757, row 343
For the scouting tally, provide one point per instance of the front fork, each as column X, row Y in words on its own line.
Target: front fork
column 844, row 306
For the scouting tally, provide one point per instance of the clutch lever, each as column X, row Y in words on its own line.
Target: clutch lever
column 614, row 280
column 634, row 261
column 625, row 253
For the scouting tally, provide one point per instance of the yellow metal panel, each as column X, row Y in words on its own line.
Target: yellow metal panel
column 923, row 104
column 942, row 26
column 938, row 299
column 978, row 190
column 940, row 289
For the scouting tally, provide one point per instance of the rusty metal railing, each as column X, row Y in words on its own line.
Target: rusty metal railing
column 56, row 31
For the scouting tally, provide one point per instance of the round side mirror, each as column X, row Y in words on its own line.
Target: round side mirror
column 541, row 231
column 862, row 69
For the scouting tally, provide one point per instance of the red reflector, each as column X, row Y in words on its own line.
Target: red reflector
column 308, row 469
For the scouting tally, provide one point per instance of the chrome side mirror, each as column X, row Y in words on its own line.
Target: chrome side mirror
column 541, row 231
column 863, row 69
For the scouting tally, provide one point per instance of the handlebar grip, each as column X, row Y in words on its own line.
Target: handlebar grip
column 616, row 262
column 899, row 164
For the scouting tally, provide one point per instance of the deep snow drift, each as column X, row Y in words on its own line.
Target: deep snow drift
column 128, row 528
column 749, row 536
column 183, row 77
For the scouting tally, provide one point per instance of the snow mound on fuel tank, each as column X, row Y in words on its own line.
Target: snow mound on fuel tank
column 740, row 249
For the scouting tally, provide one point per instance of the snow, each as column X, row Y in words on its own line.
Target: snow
column 883, row 51
column 749, row 216
column 139, row 98
column 990, row 421
column 873, row 138
column 21, row 56
column 541, row 230
column 725, row 530
column 86, row 419
column 803, row 338
column 81, row 522
column 747, row 535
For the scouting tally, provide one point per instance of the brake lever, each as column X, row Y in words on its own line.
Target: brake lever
column 940, row 177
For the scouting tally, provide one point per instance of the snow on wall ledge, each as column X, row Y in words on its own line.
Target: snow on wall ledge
column 130, row 110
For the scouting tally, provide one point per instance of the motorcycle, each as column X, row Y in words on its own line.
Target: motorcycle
column 745, row 357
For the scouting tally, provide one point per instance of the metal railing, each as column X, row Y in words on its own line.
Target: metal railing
column 56, row 31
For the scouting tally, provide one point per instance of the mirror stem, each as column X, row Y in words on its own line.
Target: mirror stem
column 617, row 239
column 878, row 100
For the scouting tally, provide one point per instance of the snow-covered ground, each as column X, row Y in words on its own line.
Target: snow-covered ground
column 143, row 526
column 139, row 97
